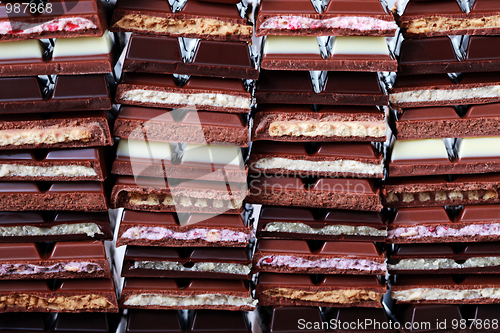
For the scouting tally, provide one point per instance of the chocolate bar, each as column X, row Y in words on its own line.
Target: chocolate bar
column 444, row 122
column 179, row 294
column 168, row 229
column 53, row 165
column 473, row 258
column 210, row 94
column 438, row 191
column 439, row 90
column 53, row 226
column 70, row 93
column 434, row 225
column 307, row 223
column 196, row 19
column 299, row 123
column 341, row 88
column 338, row 193
column 151, row 54
column 323, row 160
column 193, row 127
column 59, row 19
column 208, row 263
column 374, row 319
column 441, row 18
column 74, row 295
column 446, row 289
column 327, row 291
column 339, row 18
column 86, row 196
column 200, row 162
column 307, row 257
column 63, row 260
column 194, row 196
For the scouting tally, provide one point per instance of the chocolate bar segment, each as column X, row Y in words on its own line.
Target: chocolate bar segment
column 168, row 229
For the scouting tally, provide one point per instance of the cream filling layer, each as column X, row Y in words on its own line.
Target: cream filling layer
column 10, row 170
column 208, row 235
column 336, row 263
column 89, row 229
column 490, row 229
column 441, row 263
column 28, row 269
column 343, row 166
column 301, row 228
column 328, row 128
column 444, row 294
column 59, row 24
column 47, row 135
column 444, row 94
column 205, row 299
column 293, row 22
column 214, row 267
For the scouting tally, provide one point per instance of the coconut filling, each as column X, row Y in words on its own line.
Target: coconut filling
column 444, row 231
column 340, row 166
column 47, row 135
column 441, row 196
column 341, row 296
column 436, row 23
column 214, row 267
column 208, row 235
column 293, row 22
column 168, row 200
column 301, row 228
column 59, row 24
column 10, row 170
column 333, row 263
column 27, row 269
column 89, row 229
column 444, row 294
column 444, row 263
column 205, row 299
column 204, row 99
column 83, row 302
column 328, row 128
column 444, row 94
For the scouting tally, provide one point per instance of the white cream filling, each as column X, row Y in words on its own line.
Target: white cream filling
column 90, row 229
column 9, row 170
column 204, row 99
column 294, row 22
column 444, row 294
column 205, row 299
column 215, row 267
column 301, row 228
column 444, row 95
column 441, row 263
column 348, row 166
column 328, row 128
column 59, row 24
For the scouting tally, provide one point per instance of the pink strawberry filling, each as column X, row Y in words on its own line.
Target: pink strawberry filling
column 209, row 235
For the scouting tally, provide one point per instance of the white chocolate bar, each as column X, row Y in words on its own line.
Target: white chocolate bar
column 291, row 45
column 82, row 46
column 479, row 147
column 144, row 149
column 360, row 45
column 24, row 49
column 216, row 154
column 419, row 149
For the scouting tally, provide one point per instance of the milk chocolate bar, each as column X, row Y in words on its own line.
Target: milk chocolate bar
column 196, row 19
column 323, row 160
column 193, row 127
column 210, row 94
column 64, row 322
column 168, row 229
column 57, row 19
column 53, row 165
column 340, row 18
column 314, row 224
column 446, row 289
column 338, row 193
column 375, row 319
column 53, row 226
column 74, row 295
column 440, row 90
column 438, row 191
column 473, row 258
column 67, row 196
column 151, row 54
column 324, row 290
column 206, row 262
column 70, row 93
column 434, row 225
column 308, row 257
column 62, row 260
column 179, row 294
column 341, row 88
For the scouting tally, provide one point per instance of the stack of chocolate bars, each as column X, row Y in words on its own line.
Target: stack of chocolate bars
column 317, row 149
column 444, row 163
column 55, row 62
column 186, row 92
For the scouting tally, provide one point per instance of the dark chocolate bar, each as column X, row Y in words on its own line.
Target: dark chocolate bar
column 330, row 225
column 338, row 193
column 53, row 165
column 72, row 196
column 151, row 54
column 70, row 93
column 179, row 294
column 196, row 19
column 209, row 263
column 308, row 257
column 168, row 229
column 63, row 260
column 53, row 226
column 299, row 123
column 323, row 160
column 374, row 319
column 193, row 127
column 324, row 290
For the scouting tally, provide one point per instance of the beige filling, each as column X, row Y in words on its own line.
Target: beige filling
column 9, row 170
column 408, row 197
column 441, row 294
column 206, row 299
column 202, row 26
column 90, row 229
column 56, row 303
column 441, row 263
column 215, row 267
column 48, row 135
column 444, row 94
column 302, row 228
column 331, row 296
column 154, row 200
column 347, row 166
column 428, row 24
column 327, row 128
